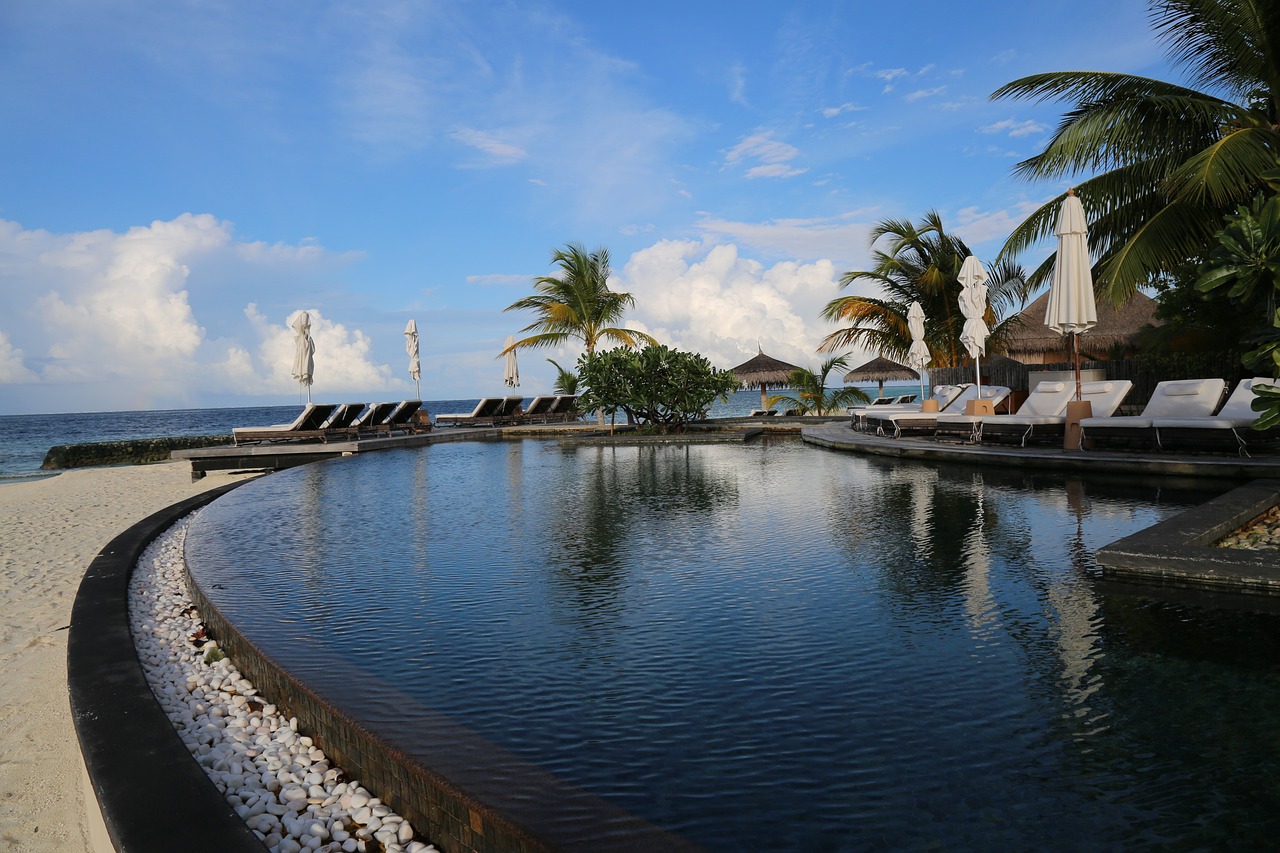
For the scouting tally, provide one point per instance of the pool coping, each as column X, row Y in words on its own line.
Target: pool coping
column 150, row 790
column 1180, row 552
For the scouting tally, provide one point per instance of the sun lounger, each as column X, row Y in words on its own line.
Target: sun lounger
column 565, row 409
column 539, row 410
column 509, row 412
column 482, row 413
column 943, row 394
column 1104, row 397
column 1172, row 399
column 927, row 422
column 339, row 425
column 1046, row 400
column 306, row 425
column 373, row 417
column 1231, row 426
column 401, row 417
column 904, row 399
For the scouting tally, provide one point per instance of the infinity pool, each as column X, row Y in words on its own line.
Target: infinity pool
column 771, row 646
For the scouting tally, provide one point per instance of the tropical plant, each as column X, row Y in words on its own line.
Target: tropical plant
column 577, row 304
column 920, row 263
column 566, row 380
column 1165, row 162
column 809, row 391
column 657, row 386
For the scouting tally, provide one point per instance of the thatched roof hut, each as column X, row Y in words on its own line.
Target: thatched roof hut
column 761, row 372
column 1032, row 342
column 881, row 370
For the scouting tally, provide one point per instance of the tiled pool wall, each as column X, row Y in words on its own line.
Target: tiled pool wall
column 525, row 810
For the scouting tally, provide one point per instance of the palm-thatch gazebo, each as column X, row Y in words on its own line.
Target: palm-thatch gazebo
column 1032, row 342
column 881, row 370
column 761, row 372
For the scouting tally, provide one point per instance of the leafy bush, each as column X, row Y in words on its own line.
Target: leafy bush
column 657, row 386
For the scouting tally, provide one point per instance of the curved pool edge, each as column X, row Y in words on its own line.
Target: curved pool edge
column 463, row 792
column 150, row 790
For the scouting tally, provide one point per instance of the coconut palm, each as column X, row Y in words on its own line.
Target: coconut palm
column 577, row 304
column 920, row 263
column 810, row 395
column 566, row 380
column 1167, row 162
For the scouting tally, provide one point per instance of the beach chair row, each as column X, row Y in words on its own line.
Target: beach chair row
column 1182, row 413
column 344, row 421
column 509, row 411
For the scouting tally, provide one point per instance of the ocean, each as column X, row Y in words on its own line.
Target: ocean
column 25, row 439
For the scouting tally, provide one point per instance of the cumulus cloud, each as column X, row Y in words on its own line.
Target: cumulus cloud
column 1013, row 127
column 708, row 298
column 124, row 318
column 772, row 156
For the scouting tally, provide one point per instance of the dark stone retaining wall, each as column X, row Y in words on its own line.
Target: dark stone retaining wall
column 134, row 452
column 152, row 793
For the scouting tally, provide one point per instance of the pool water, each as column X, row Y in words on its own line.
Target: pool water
column 771, row 646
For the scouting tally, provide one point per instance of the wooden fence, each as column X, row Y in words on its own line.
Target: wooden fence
column 1143, row 372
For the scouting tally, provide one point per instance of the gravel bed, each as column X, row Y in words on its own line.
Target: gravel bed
column 274, row 777
column 1262, row 534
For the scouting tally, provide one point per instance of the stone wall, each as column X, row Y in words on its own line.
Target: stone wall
column 133, row 452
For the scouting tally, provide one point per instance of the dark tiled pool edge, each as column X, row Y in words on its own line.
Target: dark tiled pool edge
column 152, row 793
column 452, row 802
column 1179, row 551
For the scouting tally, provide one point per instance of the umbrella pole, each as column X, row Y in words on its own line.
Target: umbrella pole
column 977, row 374
column 764, row 395
column 1075, row 352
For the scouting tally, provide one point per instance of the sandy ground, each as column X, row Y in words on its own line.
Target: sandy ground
column 50, row 530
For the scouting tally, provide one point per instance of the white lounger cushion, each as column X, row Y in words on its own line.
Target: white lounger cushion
column 1183, row 398
column 1236, row 413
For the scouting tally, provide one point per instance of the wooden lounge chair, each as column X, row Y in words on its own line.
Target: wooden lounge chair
column 1104, row 397
column 401, row 417
column 509, row 412
column 1046, row 400
column 539, row 410
column 306, row 425
column 340, row 425
column 565, row 408
column 373, row 417
column 1172, row 399
column 1231, row 427
column 927, row 422
column 482, row 413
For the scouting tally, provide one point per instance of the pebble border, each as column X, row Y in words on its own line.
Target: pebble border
column 277, row 780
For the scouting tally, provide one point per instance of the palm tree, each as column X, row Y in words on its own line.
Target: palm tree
column 1170, row 161
column 577, row 304
column 920, row 263
column 811, row 396
column 566, row 380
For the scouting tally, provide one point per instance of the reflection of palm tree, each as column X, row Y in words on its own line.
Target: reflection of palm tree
column 623, row 494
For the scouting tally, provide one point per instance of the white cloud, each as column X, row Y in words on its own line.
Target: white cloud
column 920, row 94
column 737, row 75
column 707, row 298
column 114, row 316
column 773, row 156
column 842, row 238
column 1015, row 128
column 976, row 226
column 848, row 107
column 502, row 153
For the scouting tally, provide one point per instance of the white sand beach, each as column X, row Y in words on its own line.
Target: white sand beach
column 50, row 530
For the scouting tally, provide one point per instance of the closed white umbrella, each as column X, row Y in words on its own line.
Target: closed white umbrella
column 510, row 371
column 411, row 347
column 973, row 305
column 304, row 352
column 918, row 355
column 1072, row 309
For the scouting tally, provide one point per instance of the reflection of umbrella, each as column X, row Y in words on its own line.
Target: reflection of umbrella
column 880, row 369
column 761, row 372
column 304, row 351
column 411, row 347
column 1072, row 309
column 510, row 371
column 918, row 355
column 973, row 305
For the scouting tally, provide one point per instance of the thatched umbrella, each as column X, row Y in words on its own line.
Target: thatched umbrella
column 761, row 372
column 882, row 370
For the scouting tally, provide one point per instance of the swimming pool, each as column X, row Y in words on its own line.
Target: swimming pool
column 768, row 645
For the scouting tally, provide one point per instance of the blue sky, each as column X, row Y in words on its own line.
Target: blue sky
column 180, row 178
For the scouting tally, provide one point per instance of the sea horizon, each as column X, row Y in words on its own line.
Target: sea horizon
column 25, row 439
